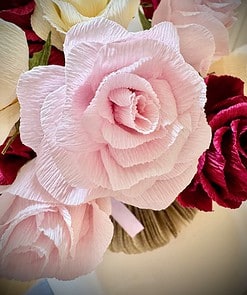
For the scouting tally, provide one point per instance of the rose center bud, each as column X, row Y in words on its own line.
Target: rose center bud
column 134, row 109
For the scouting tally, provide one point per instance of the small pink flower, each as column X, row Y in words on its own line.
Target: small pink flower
column 124, row 118
column 40, row 237
column 202, row 25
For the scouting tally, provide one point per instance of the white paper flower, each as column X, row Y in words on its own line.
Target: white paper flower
column 59, row 16
column 13, row 62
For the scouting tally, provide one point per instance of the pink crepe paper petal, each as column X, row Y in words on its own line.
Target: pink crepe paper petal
column 99, row 30
column 32, row 89
column 160, row 195
column 190, row 36
column 164, row 32
column 52, row 240
column 205, row 19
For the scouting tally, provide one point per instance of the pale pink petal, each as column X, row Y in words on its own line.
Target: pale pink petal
column 164, row 32
column 19, row 233
column 32, row 191
column 99, row 30
column 190, row 36
column 77, row 70
column 218, row 30
column 50, row 177
column 6, row 203
column 55, row 176
column 51, row 240
column 163, row 13
column 117, row 137
column 146, row 152
column 128, row 57
column 163, row 192
column 91, row 243
column 199, row 139
column 123, row 178
column 33, row 87
column 191, row 88
column 167, row 101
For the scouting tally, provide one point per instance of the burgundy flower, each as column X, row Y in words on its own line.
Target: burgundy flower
column 19, row 12
column 10, row 163
column 149, row 7
column 222, row 169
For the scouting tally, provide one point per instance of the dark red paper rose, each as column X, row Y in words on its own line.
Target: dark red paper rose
column 222, row 169
column 149, row 7
column 15, row 157
column 19, row 12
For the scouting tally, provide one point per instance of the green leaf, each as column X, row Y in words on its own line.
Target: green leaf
column 41, row 58
column 146, row 24
column 12, row 138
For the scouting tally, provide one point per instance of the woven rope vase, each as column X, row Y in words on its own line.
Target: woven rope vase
column 159, row 228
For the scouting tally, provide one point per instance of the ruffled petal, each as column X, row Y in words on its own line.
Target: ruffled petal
column 190, row 36
column 118, row 137
column 164, row 32
column 200, row 139
column 34, row 191
column 141, row 154
column 218, row 30
column 50, row 177
column 92, row 241
column 164, row 192
column 100, row 31
column 32, row 89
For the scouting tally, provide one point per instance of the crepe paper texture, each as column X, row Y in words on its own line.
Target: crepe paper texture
column 201, row 24
column 116, row 118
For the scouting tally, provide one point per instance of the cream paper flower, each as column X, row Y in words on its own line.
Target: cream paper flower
column 234, row 64
column 13, row 62
column 59, row 16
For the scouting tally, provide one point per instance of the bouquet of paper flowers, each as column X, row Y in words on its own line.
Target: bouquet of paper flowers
column 104, row 127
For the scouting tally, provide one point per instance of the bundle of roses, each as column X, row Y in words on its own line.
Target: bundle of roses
column 109, row 116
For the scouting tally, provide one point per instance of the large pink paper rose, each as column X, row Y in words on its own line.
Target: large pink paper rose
column 124, row 118
column 202, row 27
column 40, row 237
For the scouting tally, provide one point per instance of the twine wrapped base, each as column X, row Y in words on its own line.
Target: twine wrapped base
column 159, row 228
